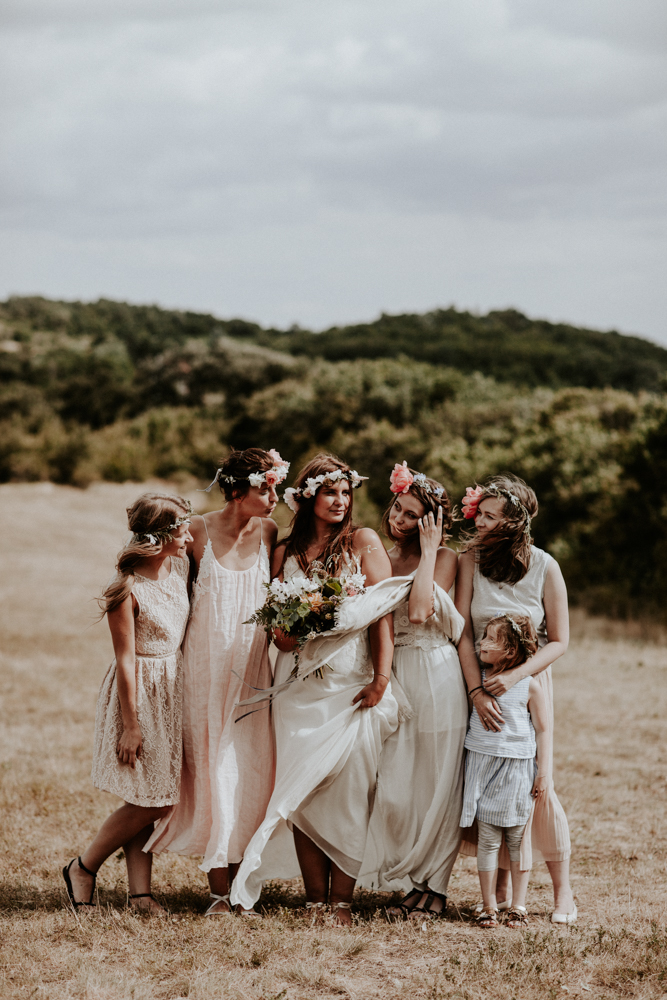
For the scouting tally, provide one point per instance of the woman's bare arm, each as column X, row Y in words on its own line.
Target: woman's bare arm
column 121, row 626
column 436, row 564
column 375, row 566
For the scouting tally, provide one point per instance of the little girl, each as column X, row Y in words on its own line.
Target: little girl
column 500, row 766
column 138, row 741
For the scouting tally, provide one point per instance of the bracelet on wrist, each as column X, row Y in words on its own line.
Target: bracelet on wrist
column 480, row 687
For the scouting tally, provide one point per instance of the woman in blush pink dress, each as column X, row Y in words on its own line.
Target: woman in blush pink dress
column 228, row 769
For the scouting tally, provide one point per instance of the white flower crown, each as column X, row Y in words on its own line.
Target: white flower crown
column 292, row 494
column 273, row 476
column 164, row 534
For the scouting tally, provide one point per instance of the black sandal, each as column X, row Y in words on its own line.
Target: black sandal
column 68, row 882
column 403, row 909
column 426, row 911
column 149, row 895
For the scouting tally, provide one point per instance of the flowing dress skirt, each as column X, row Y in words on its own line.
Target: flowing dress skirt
column 327, row 755
column 414, row 832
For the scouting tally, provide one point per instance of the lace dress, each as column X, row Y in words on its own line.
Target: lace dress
column 327, row 754
column 228, row 768
column 415, row 833
column 547, row 835
column 158, row 633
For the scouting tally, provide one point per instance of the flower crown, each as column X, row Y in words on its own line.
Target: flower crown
column 524, row 637
column 164, row 534
column 272, row 477
column 293, row 494
column 402, row 479
column 474, row 497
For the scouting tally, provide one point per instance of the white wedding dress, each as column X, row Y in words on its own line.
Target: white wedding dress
column 327, row 749
column 414, row 831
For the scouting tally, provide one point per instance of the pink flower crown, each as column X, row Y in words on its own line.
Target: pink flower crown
column 474, row 497
column 293, row 494
column 272, row 477
column 402, row 479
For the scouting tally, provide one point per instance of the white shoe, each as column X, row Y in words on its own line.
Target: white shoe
column 217, row 899
column 564, row 918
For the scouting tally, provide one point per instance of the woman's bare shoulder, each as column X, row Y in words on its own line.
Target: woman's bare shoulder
column 364, row 537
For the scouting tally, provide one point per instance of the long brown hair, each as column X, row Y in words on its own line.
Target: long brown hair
column 503, row 555
column 518, row 636
column 430, row 501
column 302, row 526
column 150, row 514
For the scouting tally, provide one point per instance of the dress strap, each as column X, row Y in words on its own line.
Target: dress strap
column 203, row 517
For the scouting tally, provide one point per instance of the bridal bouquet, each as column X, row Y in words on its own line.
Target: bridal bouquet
column 302, row 607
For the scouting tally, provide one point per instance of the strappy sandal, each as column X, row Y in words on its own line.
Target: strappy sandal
column 335, row 907
column 517, row 916
column 404, row 908
column 218, row 899
column 68, row 882
column 426, row 909
column 488, row 919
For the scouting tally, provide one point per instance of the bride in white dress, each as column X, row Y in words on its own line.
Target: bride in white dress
column 415, row 832
column 329, row 724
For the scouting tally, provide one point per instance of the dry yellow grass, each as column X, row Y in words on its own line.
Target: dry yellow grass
column 611, row 768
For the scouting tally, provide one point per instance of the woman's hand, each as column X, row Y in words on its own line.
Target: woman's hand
column 540, row 788
column 500, row 684
column 129, row 745
column 285, row 643
column 489, row 712
column 372, row 694
column 430, row 533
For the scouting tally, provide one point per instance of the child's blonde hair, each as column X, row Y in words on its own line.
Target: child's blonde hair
column 150, row 518
column 518, row 637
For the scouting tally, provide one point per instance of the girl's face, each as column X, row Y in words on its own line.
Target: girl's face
column 404, row 515
column 179, row 541
column 332, row 501
column 259, row 501
column 491, row 648
column 490, row 515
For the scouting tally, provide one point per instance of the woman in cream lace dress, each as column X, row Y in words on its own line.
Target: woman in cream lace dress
column 415, row 833
column 138, row 719
column 330, row 724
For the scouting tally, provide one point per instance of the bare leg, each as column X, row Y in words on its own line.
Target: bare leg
column 503, row 885
column 315, row 868
column 220, row 881
column 139, row 867
column 342, row 890
column 519, row 884
column 560, row 876
column 117, row 830
column 487, row 881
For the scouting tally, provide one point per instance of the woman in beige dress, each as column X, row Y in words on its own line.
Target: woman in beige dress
column 502, row 572
column 138, row 719
column 228, row 766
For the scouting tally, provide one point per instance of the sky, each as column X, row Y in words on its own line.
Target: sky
column 318, row 163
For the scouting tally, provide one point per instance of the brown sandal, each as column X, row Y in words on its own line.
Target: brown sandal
column 517, row 916
column 488, row 919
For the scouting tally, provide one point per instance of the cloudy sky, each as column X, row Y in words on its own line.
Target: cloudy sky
column 321, row 161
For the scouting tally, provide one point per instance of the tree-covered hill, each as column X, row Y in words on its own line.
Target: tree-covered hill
column 112, row 391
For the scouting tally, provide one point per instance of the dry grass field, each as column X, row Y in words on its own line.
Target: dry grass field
column 611, row 772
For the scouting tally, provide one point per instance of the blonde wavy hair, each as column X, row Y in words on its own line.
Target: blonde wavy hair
column 150, row 514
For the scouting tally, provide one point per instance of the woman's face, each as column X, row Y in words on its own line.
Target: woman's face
column 332, row 501
column 404, row 515
column 179, row 541
column 491, row 648
column 259, row 501
column 490, row 515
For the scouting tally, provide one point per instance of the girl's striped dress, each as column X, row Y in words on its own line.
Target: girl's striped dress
column 500, row 766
